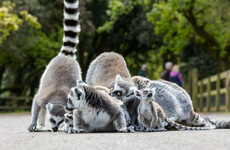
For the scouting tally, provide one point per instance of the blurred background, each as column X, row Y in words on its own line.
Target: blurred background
column 194, row 34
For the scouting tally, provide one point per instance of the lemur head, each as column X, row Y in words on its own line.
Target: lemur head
column 76, row 98
column 55, row 114
column 123, row 90
column 140, row 82
column 197, row 120
column 145, row 94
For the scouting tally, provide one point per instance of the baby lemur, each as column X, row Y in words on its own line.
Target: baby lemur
column 152, row 116
column 94, row 111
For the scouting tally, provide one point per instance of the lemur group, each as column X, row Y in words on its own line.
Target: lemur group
column 110, row 100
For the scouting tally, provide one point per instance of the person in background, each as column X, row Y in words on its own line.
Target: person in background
column 142, row 71
column 175, row 75
column 166, row 73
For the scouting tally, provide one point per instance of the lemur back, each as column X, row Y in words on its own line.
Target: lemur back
column 151, row 115
column 110, row 70
column 61, row 73
column 103, row 70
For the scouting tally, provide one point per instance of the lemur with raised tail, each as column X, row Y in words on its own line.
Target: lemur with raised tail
column 176, row 103
column 109, row 69
column 59, row 76
column 95, row 111
column 152, row 117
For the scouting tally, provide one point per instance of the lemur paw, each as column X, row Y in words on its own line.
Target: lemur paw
column 43, row 129
column 131, row 129
column 147, row 130
column 32, row 128
column 78, row 131
column 161, row 129
column 123, row 130
column 137, row 127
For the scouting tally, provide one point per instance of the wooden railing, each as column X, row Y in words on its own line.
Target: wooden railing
column 210, row 94
column 15, row 103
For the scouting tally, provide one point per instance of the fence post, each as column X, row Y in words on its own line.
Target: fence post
column 227, row 86
column 218, row 92
column 209, row 94
column 194, row 87
column 201, row 95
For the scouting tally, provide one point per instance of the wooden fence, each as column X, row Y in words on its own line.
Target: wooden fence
column 210, row 94
column 15, row 103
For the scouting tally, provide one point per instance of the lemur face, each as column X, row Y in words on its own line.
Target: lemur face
column 144, row 83
column 123, row 90
column 198, row 121
column 145, row 94
column 75, row 98
column 55, row 114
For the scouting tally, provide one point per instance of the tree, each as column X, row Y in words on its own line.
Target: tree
column 203, row 24
column 10, row 21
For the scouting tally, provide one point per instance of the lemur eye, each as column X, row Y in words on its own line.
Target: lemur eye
column 52, row 121
column 119, row 93
column 145, row 92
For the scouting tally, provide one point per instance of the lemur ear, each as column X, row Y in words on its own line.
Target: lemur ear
column 49, row 106
column 153, row 90
column 80, row 82
column 118, row 77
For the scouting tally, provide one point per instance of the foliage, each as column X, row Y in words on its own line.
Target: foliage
column 10, row 21
column 143, row 31
column 192, row 22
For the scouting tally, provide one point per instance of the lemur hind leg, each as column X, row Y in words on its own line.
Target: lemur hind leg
column 35, row 112
column 78, row 122
column 160, row 125
column 120, row 123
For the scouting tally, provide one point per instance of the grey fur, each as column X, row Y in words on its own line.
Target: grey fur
column 174, row 100
column 103, row 70
column 95, row 110
column 60, row 74
column 68, row 119
column 109, row 69
column 151, row 115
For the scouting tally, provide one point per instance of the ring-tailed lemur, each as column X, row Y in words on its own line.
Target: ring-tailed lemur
column 176, row 103
column 151, row 115
column 60, row 74
column 95, row 111
column 69, row 115
column 109, row 69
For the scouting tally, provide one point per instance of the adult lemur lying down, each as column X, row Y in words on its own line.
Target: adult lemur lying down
column 176, row 103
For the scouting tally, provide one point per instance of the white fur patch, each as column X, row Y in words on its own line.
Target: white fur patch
column 95, row 121
column 74, row 29
column 71, row 49
column 74, row 17
column 71, row 5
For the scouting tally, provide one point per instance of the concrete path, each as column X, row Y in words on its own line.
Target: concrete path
column 13, row 135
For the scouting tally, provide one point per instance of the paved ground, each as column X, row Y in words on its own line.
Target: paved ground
column 13, row 135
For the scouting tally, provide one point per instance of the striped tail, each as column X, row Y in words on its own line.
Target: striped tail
column 71, row 27
column 179, row 126
column 217, row 124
